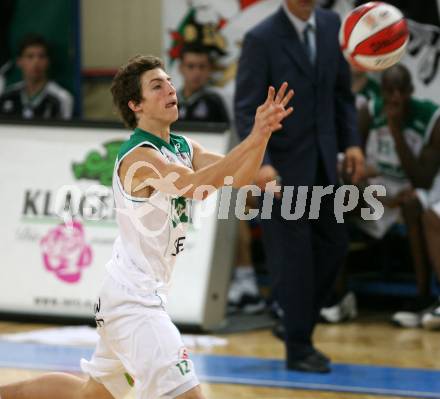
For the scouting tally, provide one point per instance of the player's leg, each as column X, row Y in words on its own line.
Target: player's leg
column 105, row 366
column 412, row 313
column 55, row 385
column 143, row 338
column 330, row 248
column 431, row 226
column 155, row 355
column 412, row 214
column 289, row 259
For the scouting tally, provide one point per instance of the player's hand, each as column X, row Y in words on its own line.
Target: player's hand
column 395, row 114
column 400, row 199
column 268, row 180
column 354, row 164
column 269, row 115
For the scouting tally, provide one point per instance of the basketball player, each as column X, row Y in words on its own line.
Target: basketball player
column 139, row 345
column 404, row 147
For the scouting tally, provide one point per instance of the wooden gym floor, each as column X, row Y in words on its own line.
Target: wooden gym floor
column 366, row 341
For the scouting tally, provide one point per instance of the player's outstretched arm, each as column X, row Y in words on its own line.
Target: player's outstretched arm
column 249, row 166
column 145, row 167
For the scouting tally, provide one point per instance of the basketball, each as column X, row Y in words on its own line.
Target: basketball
column 374, row 36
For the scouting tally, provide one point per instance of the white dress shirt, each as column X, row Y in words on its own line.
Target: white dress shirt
column 301, row 25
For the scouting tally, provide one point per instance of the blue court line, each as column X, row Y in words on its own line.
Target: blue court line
column 408, row 382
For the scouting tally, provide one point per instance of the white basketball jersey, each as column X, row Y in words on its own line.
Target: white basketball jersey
column 151, row 230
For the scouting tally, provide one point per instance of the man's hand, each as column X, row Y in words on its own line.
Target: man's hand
column 354, row 164
column 398, row 200
column 395, row 114
column 269, row 115
column 267, row 179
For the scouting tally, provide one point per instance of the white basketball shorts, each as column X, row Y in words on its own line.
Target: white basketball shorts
column 138, row 346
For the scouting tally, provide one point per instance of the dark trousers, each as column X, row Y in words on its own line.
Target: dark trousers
column 303, row 258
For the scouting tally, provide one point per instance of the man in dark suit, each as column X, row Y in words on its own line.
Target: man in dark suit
column 299, row 44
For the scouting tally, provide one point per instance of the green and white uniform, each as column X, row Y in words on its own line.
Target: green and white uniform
column 151, row 230
column 382, row 155
column 138, row 340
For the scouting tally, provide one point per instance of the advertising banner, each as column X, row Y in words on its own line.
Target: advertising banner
column 53, row 263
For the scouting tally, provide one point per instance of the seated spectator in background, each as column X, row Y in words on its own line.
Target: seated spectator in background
column 403, row 151
column 196, row 101
column 35, row 96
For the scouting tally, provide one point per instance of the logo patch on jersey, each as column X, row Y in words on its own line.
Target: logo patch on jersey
column 178, row 245
column 130, row 379
column 183, row 353
column 184, row 365
column 179, row 211
column 185, row 159
column 168, row 154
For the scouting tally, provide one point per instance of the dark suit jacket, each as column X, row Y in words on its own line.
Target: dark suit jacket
column 324, row 117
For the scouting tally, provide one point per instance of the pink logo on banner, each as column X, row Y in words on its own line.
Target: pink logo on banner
column 65, row 252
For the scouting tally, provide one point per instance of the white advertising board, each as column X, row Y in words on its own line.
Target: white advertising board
column 48, row 268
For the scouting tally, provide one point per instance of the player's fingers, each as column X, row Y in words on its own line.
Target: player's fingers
column 287, row 98
column 269, row 100
column 276, row 127
column 284, row 113
column 281, row 93
column 279, row 116
column 270, row 95
column 287, row 112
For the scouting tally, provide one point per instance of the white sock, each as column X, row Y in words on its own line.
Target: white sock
column 244, row 271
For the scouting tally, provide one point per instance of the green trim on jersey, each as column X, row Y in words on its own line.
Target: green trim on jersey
column 419, row 118
column 177, row 144
column 422, row 113
column 371, row 90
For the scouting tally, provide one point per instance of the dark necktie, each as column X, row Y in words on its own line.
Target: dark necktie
column 307, row 45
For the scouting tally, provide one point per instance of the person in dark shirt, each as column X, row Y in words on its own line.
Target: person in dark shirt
column 35, row 96
column 196, row 101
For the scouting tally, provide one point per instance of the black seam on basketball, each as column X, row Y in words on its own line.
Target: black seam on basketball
column 353, row 53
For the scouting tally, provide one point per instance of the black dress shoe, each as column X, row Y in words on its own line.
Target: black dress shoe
column 312, row 363
column 279, row 331
column 323, row 357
